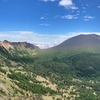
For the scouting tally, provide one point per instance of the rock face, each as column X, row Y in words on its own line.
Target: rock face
column 24, row 44
column 6, row 44
column 11, row 45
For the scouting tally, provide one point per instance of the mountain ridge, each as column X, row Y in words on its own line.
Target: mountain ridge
column 83, row 39
column 11, row 45
column 89, row 42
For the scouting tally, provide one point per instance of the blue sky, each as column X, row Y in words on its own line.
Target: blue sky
column 47, row 23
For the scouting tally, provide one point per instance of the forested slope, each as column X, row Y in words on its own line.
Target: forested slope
column 64, row 74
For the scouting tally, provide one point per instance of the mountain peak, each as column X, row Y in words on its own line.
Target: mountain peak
column 7, row 45
column 6, row 41
column 89, row 41
column 24, row 44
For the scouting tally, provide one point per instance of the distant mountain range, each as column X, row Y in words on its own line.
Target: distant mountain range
column 11, row 45
column 77, row 42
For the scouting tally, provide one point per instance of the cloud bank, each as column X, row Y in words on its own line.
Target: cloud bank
column 41, row 40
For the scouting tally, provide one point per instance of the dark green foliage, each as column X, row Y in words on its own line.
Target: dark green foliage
column 85, row 64
column 3, row 71
column 2, row 92
column 26, row 85
column 86, row 95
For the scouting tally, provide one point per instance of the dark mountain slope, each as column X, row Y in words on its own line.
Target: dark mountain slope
column 81, row 41
column 89, row 43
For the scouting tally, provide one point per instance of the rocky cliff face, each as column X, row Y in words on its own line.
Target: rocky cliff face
column 6, row 44
column 24, row 44
column 11, row 45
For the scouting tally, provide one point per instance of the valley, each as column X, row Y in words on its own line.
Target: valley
column 68, row 71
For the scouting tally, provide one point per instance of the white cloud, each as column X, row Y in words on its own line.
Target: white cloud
column 67, row 4
column 42, row 17
column 70, row 17
column 45, row 17
column 73, row 7
column 44, row 24
column 46, row 44
column 41, row 40
column 87, row 17
column 98, row 6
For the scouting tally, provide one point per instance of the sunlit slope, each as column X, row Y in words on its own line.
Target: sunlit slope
column 17, row 80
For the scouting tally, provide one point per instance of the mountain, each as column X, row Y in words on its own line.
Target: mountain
column 6, row 44
column 24, row 44
column 90, row 42
column 69, row 71
column 81, row 41
column 11, row 45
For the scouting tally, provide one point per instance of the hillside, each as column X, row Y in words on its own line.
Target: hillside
column 64, row 72
column 90, row 43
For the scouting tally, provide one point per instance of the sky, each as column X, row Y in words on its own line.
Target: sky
column 47, row 23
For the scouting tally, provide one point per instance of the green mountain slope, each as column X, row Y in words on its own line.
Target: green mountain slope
column 69, row 71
